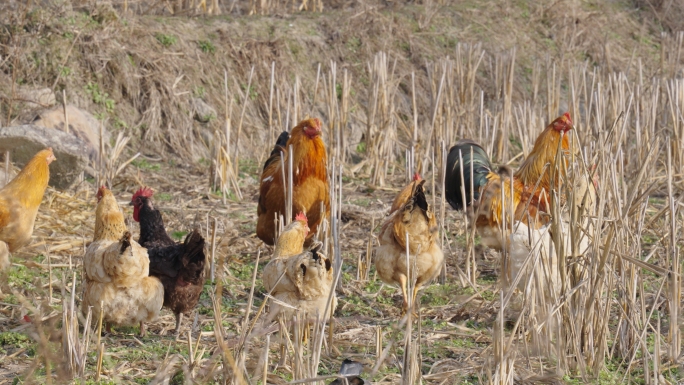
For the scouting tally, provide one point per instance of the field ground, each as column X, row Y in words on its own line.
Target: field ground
column 512, row 66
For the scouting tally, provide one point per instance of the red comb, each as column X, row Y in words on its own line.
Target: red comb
column 100, row 192
column 417, row 176
column 567, row 116
column 301, row 217
column 563, row 123
column 144, row 191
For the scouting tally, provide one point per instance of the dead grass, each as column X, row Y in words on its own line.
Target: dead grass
column 618, row 320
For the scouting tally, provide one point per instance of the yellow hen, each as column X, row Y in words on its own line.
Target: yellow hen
column 410, row 214
column 296, row 278
column 117, row 271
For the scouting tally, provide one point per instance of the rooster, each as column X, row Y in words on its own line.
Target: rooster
column 310, row 181
column 410, row 213
column 528, row 190
column 179, row 266
column 19, row 201
column 117, row 271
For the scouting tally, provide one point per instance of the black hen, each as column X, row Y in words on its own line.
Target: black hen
column 481, row 167
column 179, row 266
column 279, row 147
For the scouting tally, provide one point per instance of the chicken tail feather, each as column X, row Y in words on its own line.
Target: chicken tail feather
column 481, row 168
column 194, row 247
column 125, row 241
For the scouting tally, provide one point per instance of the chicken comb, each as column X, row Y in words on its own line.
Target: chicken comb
column 563, row 123
column 100, row 192
column 144, row 191
column 417, row 176
column 301, row 217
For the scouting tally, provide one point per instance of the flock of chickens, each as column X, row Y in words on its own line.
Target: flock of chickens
column 128, row 282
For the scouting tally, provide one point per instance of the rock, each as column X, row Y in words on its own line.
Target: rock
column 203, row 112
column 25, row 141
column 3, row 175
column 81, row 124
column 41, row 97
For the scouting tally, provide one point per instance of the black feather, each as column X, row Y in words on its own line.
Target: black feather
column 279, row 147
column 352, row 370
column 419, row 198
column 481, row 167
column 125, row 241
column 152, row 231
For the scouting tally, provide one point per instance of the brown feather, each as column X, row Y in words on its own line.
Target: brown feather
column 310, row 183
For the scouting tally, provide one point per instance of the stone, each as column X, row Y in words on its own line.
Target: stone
column 40, row 97
column 3, row 176
column 203, row 112
column 81, row 124
column 25, row 141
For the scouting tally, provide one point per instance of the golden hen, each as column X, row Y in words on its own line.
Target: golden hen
column 117, row 271
column 410, row 213
column 19, row 201
column 300, row 279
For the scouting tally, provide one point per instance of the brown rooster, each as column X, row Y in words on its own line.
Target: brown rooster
column 530, row 194
column 19, row 201
column 410, row 213
column 531, row 182
column 310, row 181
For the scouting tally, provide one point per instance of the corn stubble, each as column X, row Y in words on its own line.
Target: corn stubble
column 630, row 126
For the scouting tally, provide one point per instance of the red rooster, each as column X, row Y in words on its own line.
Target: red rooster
column 530, row 194
column 310, row 181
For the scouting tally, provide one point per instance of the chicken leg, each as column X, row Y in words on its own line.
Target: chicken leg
column 403, row 281
column 404, row 292
column 4, row 261
column 4, row 256
column 179, row 320
column 142, row 329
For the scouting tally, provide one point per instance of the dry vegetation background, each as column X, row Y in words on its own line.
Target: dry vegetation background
column 387, row 78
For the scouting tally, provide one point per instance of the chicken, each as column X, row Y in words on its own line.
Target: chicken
column 117, row 271
column 300, row 279
column 19, row 201
column 351, row 370
column 528, row 190
column 179, row 266
column 410, row 213
column 310, row 181
column 290, row 243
